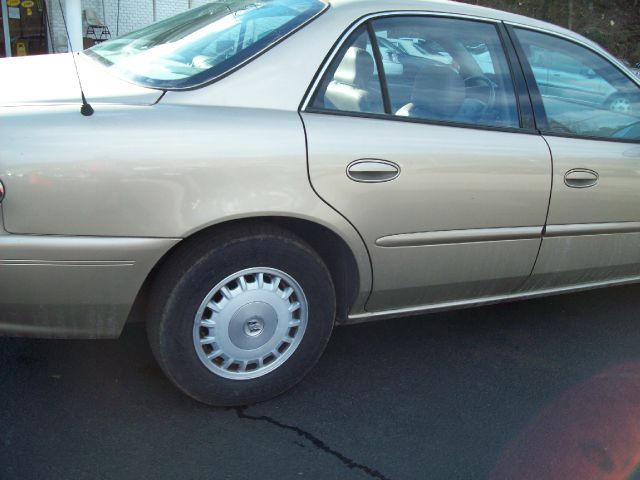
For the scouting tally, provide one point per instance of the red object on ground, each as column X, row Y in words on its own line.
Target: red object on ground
column 591, row 432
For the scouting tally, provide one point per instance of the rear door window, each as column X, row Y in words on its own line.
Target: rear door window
column 454, row 71
column 352, row 83
column 429, row 68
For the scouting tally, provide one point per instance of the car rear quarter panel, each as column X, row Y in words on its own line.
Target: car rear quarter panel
column 159, row 172
column 67, row 287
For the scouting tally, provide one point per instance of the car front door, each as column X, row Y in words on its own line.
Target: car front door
column 593, row 230
column 446, row 185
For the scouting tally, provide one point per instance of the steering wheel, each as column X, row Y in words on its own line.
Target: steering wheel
column 490, row 99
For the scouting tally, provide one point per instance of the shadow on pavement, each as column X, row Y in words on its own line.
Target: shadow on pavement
column 523, row 390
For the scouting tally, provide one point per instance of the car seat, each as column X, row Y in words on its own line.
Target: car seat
column 439, row 93
column 350, row 88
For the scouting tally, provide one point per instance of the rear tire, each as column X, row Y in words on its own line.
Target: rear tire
column 242, row 316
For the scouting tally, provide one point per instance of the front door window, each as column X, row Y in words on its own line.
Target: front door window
column 583, row 94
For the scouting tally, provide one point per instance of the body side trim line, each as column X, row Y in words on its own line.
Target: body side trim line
column 577, row 229
column 69, row 263
column 460, row 304
column 459, row 236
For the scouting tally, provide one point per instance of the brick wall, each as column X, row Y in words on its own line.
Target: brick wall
column 131, row 15
column 169, row 9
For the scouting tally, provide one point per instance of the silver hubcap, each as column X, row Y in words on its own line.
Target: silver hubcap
column 250, row 323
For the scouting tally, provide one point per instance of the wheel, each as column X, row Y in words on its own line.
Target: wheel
column 620, row 104
column 240, row 317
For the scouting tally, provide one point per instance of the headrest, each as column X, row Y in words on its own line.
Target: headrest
column 356, row 68
column 440, row 90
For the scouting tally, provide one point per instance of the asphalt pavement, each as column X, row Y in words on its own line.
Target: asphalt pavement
column 521, row 390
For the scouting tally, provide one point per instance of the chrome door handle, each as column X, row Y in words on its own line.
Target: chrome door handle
column 372, row 171
column 581, row 178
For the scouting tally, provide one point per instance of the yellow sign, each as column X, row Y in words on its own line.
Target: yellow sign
column 28, row 5
column 21, row 49
column 13, row 3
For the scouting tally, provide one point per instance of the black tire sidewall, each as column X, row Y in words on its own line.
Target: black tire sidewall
column 192, row 281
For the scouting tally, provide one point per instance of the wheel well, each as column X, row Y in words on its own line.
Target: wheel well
column 333, row 250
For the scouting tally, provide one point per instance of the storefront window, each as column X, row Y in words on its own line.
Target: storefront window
column 23, row 28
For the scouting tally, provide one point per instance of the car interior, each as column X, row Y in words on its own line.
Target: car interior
column 439, row 93
column 459, row 82
column 351, row 88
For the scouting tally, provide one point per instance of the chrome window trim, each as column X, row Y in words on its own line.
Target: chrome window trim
column 311, row 92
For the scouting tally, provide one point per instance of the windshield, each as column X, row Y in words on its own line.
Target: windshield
column 199, row 45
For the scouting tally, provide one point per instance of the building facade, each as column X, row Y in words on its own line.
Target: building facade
column 31, row 27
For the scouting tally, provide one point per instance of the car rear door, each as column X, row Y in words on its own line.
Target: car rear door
column 451, row 204
column 593, row 230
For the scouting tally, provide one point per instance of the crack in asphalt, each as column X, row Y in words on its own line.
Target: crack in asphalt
column 348, row 462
